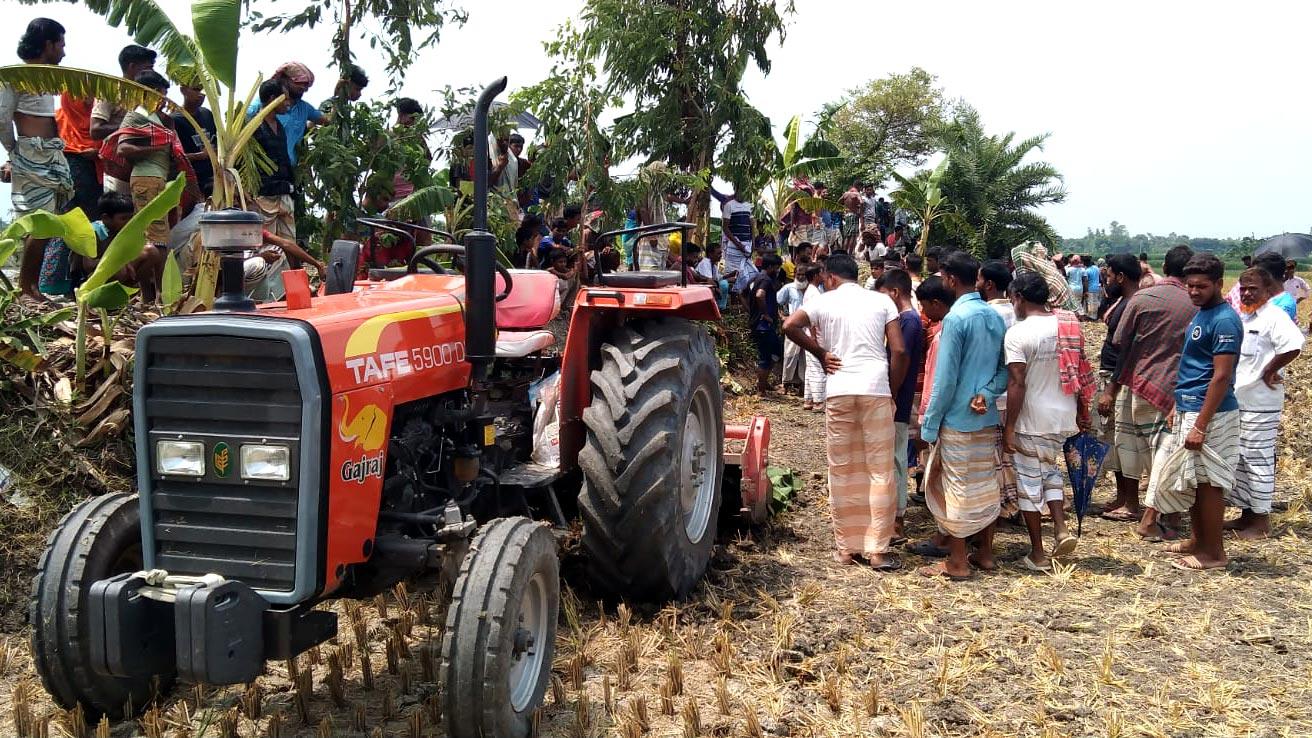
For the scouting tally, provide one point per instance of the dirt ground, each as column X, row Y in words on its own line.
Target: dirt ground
column 780, row 641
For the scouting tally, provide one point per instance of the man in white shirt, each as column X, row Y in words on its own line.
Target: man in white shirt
column 1040, row 417
column 790, row 301
column 709, row 270
column 1294, row 284
column 1271, row 341
column 859, row 343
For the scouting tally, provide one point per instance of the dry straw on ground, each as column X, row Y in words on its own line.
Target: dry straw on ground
column 779, row 641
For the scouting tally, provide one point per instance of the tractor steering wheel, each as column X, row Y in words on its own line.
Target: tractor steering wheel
column 422, row 257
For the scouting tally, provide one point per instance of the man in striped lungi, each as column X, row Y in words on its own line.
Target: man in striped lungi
column 1271, row 341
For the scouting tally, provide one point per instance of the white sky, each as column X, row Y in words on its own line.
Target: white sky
column 1165, row 115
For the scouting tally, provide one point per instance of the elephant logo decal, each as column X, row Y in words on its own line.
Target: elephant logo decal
column 367, row 429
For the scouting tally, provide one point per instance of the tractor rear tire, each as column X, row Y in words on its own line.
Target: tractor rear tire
column 500, row 632
column 653, row 463
column 97, row 539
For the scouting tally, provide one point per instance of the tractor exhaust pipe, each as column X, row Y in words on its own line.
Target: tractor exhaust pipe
column 480, row 251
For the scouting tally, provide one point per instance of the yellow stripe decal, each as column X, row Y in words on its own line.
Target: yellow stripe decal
column 364, row 340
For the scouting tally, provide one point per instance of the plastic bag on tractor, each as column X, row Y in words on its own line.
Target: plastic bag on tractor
column 546, row 420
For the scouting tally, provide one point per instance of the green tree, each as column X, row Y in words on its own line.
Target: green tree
column 796, row 158
column 884, row 125
column 681, row 63
column 992, row 190
column 923, row 196
column 400, row 28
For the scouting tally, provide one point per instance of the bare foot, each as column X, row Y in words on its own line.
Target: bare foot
column 1236, row 524
column 944, row 571
column 1252, row 533
column 1199, row 563
column 983, row 562
column 1179, row 547
column 845, row 559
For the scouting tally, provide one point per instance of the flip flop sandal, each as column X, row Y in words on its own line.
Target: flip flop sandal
column 928, row 550
column 1066, row 546
column 1163, row 534
column 935, row 572
column 1182, row 565
column 898, row 541
column 1028, row 564
column 1119, row 516
column 890, row 564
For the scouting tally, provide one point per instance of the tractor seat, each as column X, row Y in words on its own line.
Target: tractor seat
column 640, row 280
column 518, row 344
column 386, row 274
column 532, row 303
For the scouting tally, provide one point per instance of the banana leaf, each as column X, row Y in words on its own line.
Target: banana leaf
column 129, row 242
column 149, row 25
column 72, row 226
column 217, row 24
column 48, row 79
column 171, row 285
column 109, row 296
column 785, row 485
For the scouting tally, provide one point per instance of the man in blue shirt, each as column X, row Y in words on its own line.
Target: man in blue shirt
column 961, row 421
column 1093, row 293
column 1194, row 468
column 295, row 78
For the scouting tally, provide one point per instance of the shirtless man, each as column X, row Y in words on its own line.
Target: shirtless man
column 36, row 167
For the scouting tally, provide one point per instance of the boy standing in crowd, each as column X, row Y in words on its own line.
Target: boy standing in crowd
column 1271, row 341
column 813, row 393
column 896, row 283
column 1041, row 415
column 1193, row 468
column 763, row 315
column 861, row 349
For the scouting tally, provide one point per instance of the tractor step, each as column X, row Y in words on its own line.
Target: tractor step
column 530, row 475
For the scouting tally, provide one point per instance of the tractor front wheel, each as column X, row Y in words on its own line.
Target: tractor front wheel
column 98, row 539
column 501, row 631
column 654, row 460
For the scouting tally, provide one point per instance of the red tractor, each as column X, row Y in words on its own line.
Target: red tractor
column 333, row 446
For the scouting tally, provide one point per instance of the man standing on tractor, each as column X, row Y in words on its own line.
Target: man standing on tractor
column 736, row 228
column 860, row 345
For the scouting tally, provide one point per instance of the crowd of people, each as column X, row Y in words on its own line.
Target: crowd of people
column 65, row 153
column 970, row 378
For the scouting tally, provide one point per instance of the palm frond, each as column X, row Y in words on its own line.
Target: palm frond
column 47, row 79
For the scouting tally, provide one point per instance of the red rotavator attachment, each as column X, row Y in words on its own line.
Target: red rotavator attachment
column 751, row 458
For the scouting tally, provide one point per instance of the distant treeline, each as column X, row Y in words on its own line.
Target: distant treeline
column 1117, row 238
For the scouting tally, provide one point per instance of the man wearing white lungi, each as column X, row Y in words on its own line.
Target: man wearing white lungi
column 1193, row 468
column 1271, row 341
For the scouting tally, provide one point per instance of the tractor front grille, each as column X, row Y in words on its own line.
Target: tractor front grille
column 223, row 390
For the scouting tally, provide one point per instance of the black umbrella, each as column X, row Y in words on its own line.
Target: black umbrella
column 461, row 121
column 1290, row 246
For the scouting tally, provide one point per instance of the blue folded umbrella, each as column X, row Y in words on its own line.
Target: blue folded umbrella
column 1084, row 456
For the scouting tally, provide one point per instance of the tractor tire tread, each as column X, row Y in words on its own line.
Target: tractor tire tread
column 629, row 499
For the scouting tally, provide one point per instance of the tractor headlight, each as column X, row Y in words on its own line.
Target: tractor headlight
column 185, row 458
column 271, row 463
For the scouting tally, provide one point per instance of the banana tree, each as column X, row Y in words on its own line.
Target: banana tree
column 208, row 60
column 797, row 159
column 923, row 195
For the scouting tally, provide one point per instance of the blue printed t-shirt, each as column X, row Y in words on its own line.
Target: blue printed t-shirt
column 1095, row 285
column 1286, row 302
column 295, row 121
column 1213, row 331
